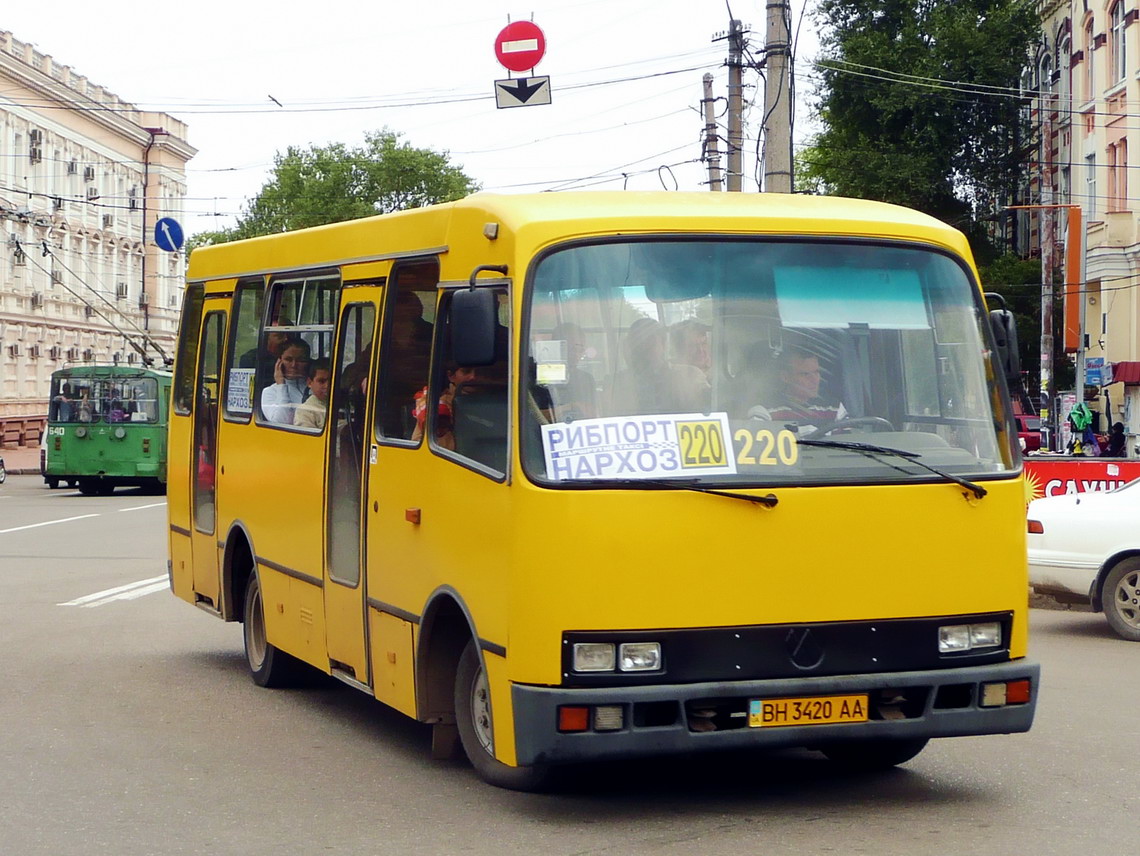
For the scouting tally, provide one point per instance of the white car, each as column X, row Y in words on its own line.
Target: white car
column 1085, row 548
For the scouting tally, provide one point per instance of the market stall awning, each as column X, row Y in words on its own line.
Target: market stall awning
column 1127, row 371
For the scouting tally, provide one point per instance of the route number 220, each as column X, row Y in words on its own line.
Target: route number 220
column 766, row 448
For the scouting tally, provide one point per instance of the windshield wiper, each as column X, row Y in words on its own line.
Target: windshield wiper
column 768, row 500
column 870, row 449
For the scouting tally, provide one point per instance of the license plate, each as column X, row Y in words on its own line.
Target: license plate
column 816, row 710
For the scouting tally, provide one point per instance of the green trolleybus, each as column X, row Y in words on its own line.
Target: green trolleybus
column 107, row 428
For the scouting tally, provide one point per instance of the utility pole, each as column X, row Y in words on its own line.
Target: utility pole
column 735, row 105
column 777, row 101
column 1046, row 239
column 712, row 152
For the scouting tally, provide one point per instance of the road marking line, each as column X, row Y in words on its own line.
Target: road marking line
column 125, row 592
column 141, row 507
column 46, row 523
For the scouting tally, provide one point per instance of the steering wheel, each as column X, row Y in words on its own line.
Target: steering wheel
column 827, row 427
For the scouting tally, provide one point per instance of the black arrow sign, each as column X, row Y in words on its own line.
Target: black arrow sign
column 523, row 89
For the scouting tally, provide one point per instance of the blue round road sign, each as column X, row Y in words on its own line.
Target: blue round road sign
column 168, row 235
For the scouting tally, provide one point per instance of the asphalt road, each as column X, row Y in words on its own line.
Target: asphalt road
column 128, row 725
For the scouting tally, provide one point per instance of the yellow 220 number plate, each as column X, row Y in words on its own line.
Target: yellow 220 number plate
column 819, row 710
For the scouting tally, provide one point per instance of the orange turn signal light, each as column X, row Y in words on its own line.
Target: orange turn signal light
column 573, row 718
column 1017, row 692
column 1035, row 527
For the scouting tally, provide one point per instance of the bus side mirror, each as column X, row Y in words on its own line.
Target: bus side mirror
column 474, row 317
column 1004, row 328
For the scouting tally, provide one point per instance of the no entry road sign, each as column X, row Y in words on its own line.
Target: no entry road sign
column 520, row 45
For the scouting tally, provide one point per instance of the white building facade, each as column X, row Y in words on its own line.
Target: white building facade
column 1087, row 87
column 84, row 177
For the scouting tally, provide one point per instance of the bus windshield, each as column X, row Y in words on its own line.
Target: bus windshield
column 86, row 398
column 758, row 362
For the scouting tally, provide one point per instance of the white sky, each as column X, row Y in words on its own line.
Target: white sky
column 341, row 68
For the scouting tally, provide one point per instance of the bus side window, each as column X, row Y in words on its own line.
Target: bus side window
column 476, row 398
column 242, row 358
column 186, row 363
column 299, row 329
column 406, row 349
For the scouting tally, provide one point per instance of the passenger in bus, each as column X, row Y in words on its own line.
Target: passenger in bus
column 651, row 383
column 799, row 400
column 457, row 377
column 85, row 407
column 312, row 412
column 576, row 397
column 62, row 404
column 690, row 343
column 279, row 400
column 116, row 412
column 408, row 357
column 264, row 359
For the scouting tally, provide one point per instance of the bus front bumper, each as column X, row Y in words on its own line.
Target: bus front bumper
column 629, row 722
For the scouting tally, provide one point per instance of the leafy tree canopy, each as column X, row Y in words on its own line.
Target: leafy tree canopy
column 327, row 184
column 918, row 106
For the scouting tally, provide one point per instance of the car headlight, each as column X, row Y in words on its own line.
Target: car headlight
column 640, row 656
column 953, row 638
column 594, row 657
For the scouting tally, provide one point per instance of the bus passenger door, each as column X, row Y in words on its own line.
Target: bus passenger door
column 204, row 449
column 345, row 590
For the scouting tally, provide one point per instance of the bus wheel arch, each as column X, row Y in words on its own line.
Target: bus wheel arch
column 445, row 630
column 452, row 688
column 237, row 568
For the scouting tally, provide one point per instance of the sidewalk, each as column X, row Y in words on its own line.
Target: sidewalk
column 21, row 460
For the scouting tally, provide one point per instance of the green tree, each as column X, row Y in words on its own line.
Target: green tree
column 327, row 184
column 917, row 104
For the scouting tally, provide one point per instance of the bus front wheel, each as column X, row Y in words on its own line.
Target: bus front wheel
column 476, row 729
column 268, row 665
column 871, row 755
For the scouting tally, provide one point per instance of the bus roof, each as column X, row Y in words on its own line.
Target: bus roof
column 536, row 219
column 111, row 370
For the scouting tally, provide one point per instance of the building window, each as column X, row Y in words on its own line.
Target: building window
column 1045, row 82
column 1112, row 178
column 1090, row 186
column 1064, row 61
column 1122, row 176
column 1117, row 59
column 1089, row 77
column 1118, row 176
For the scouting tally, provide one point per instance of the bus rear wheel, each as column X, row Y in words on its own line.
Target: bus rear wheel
column 476, row 729
column 870, row 755
column 268, row 666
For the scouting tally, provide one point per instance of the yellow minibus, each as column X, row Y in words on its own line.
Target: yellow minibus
column 587, row 476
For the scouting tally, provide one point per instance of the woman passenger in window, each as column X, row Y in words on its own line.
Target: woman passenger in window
column 279, row 400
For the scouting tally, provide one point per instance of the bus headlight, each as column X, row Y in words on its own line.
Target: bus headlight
column 639, row 656
column 594, row 657
column 80, row 431
column 953, row 638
